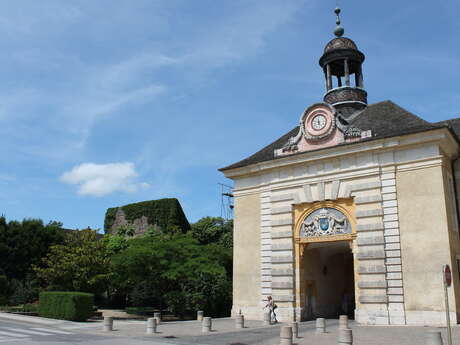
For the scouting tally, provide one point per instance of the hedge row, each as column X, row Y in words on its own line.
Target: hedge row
column 167, row 214
column 72, row 306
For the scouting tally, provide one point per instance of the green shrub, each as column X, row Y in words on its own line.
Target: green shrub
column 143, row 294
column 140, row 310
column 72, row 306
column 30, row 308
column 24, row 308
column 23, row 292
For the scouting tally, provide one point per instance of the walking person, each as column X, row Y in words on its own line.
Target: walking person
column 271, row 307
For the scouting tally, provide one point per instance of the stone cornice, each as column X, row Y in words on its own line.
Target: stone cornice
column 442, row 136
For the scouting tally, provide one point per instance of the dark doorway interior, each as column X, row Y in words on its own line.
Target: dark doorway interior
column 328, row 280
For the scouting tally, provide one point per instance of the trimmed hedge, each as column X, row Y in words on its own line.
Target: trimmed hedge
column 166, row 213
column 72, row 306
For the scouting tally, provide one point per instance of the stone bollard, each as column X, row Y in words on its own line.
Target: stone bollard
column 433, row 338
column 199, row 315
column 295, row 329
column 320, row 325
column 206, row 325
column 345, row 336
column 157, row 316
column 151, row 325
column 239, row 322
column 108, row 323
column 267, row 319
column 343, row 321
column 286, row 335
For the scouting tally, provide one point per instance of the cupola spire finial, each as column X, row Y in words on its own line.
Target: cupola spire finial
column 339, row 30
column 341, row 62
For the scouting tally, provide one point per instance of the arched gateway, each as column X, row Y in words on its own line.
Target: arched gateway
column 354, row 211
column 324, row 264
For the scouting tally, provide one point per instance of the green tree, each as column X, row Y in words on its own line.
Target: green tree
column 4, row 291
column 82, row 263
column 179, row 273
column 127, row 230
column 23, row 244
column 213, row 230
column 119, row 241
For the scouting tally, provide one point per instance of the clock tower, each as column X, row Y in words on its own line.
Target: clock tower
column 342, row 66
column 330, row 122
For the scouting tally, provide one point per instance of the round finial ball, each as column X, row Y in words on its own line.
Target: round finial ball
column 339, row 31
column 337, row 10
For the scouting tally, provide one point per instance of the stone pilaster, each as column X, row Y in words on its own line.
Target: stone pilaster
column 395, row 290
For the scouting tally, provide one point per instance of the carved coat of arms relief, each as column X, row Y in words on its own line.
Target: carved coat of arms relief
column 325, row 221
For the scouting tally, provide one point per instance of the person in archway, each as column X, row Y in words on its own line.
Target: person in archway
column 271, row 307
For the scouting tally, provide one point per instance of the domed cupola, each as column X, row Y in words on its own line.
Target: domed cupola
column 342, row 63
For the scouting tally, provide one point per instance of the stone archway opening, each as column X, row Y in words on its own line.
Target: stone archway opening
column 328, row 280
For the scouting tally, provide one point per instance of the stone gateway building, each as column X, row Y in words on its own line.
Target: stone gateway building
column 352, row 212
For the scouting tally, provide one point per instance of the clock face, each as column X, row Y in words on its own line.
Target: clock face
column 318, row 122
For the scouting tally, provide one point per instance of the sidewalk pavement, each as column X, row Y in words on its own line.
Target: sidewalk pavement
column 175, row 329
column 225, row 333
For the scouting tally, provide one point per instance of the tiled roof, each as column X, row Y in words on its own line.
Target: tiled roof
column 453, row 124
column 385, row 119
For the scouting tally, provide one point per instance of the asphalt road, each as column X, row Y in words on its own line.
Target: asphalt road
column 25, row 333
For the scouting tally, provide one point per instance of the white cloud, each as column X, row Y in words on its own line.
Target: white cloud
column 103, row 179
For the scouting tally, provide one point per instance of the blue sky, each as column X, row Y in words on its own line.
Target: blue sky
column 104, row 103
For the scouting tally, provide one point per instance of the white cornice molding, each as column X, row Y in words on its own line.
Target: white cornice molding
column 442, row 136
column 343, row 174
